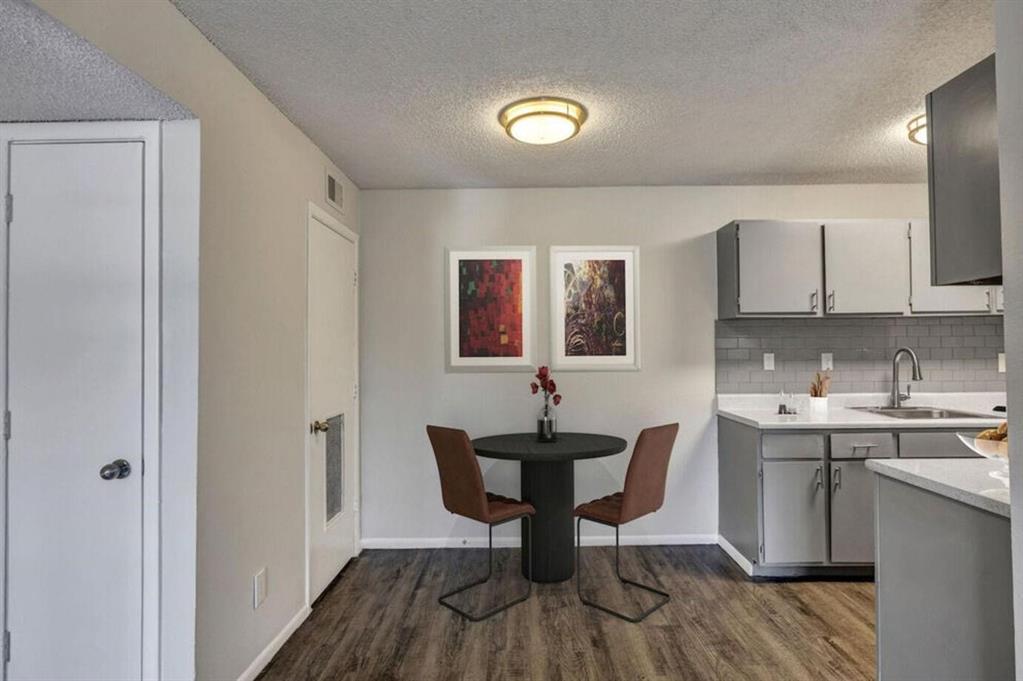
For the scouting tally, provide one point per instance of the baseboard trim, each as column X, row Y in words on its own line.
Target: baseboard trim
column 734, row 554
column 263, row 659
column 505, row 542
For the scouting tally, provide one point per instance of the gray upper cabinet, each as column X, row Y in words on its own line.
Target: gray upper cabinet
column 794, row 512
column 962, row 166
column 769, row 267
column 867, row 266
column 927, row 298
column 852, row 512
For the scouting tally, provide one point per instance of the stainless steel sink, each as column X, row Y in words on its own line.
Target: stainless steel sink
column 932, row 413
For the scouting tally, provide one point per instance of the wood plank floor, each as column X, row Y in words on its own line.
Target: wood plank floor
column 381, row 621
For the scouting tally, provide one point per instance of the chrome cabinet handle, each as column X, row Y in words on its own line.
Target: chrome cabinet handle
column 813, row 301
column 990, row 305
column 865, row 445
column 831, row 302
column 819, row 477
column 115, row 470
column 319, row 427
column 836, row 478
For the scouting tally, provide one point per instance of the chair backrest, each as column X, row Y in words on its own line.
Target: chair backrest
column 648, row 472
column 461, row 482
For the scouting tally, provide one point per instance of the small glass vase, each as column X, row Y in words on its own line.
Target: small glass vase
column 547, row 424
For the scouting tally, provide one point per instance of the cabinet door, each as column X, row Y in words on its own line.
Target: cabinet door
column 867, row 266
column 928, row 298
column 852, row 513
column 780, row 268
column 963, row 180
column 998, row 296
column 794, row 512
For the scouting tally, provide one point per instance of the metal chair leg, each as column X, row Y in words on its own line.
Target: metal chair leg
column 490, row 569
column 665, row 597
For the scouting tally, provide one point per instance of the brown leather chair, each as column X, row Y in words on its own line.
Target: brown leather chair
column 643, row 494
column 461, row 484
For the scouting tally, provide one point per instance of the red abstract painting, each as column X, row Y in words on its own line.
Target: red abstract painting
column 490, row 308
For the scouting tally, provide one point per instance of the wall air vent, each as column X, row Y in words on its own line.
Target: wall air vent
column 335, row 192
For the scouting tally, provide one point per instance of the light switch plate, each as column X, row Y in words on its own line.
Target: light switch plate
column 768, row 361
column 1001, row 362
column 258, row 588
column 827, row 361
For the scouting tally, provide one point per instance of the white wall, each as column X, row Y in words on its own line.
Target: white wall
column 258, row 173
column 1009, row 36
column 405, row 387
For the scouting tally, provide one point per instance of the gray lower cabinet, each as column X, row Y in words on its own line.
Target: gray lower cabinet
column 852, row 512
column 794, row 512
column 801, row 503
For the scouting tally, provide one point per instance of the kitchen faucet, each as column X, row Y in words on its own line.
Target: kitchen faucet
column 897, row 396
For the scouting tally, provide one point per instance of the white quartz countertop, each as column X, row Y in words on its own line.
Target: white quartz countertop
column 761, row 411
column 982, row 483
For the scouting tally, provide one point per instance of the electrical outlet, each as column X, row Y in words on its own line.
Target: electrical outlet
column 1001, row 362
column 258, row 588
column 768, row 361
column 827, row 361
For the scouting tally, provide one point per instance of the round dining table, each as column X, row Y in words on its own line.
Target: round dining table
column 548, row 483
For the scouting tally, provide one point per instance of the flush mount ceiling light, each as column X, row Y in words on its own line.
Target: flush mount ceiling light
column 917, row 128
column 542, row 120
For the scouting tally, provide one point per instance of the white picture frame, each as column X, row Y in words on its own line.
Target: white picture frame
column 457, row 360
column 565, row 359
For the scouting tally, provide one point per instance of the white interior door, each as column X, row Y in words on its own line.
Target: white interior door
column 333, row 459
column 75, row 393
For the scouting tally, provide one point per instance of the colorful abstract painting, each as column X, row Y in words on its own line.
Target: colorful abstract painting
column 595, row 308
column 490, row 308
column 595, row 312
column 490, row 294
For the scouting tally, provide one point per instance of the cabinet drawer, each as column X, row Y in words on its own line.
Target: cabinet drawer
column 932, row 446
column 863, row 446
column 793, row 446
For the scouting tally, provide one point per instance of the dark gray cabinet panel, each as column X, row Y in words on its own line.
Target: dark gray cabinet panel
column 794, row 512
column 962, row 163
column 852, row 512
column 738, row 487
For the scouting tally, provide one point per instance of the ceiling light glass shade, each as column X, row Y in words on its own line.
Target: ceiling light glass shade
column 917, row 128
column 542, row 120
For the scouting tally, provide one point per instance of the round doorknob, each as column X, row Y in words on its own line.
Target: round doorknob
column 320, row 427
column 115, row 470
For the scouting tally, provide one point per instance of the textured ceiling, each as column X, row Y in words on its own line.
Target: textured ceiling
column 406, row 94
column 47, row 73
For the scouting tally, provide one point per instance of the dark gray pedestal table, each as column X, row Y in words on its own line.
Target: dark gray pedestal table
column 548, row 482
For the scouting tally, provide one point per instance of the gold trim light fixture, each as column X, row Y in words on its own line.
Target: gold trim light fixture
column 917, row 128
column 542, row 120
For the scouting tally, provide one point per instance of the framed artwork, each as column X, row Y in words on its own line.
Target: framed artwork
column 595, row 308
column 490, row 309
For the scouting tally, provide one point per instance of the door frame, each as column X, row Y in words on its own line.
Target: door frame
column 170, row 262
column 327, row 219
